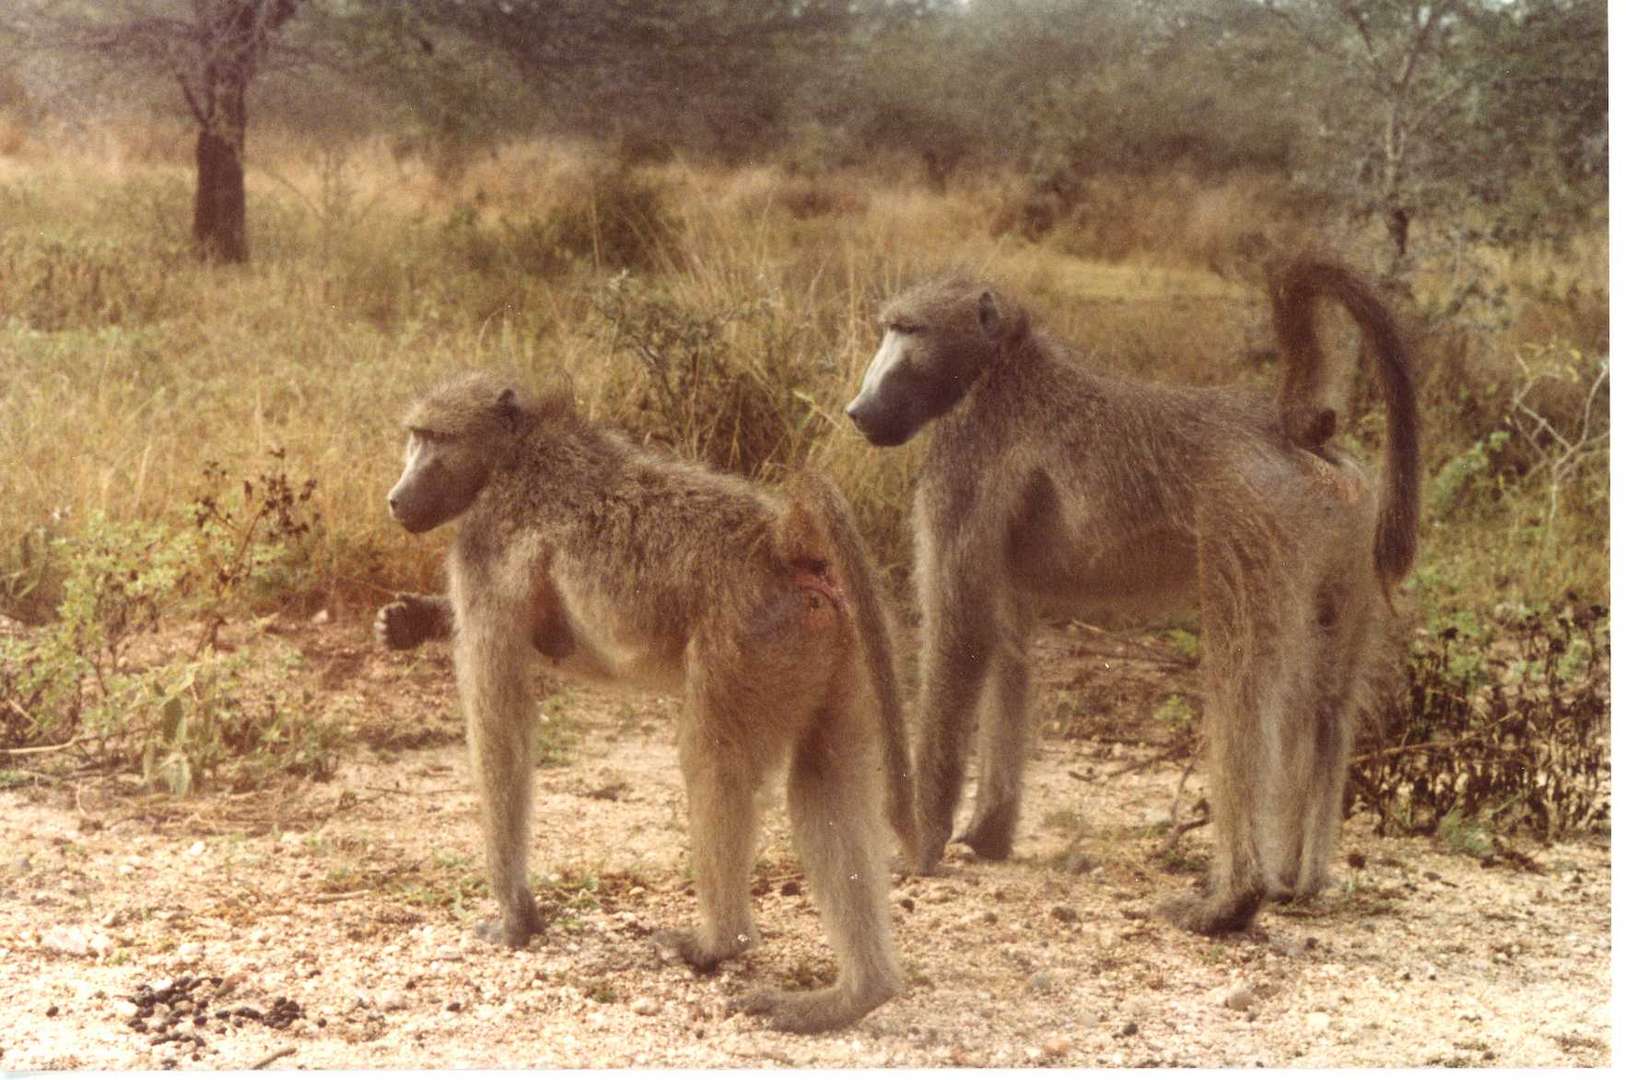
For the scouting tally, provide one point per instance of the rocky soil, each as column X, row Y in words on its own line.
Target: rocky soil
column 330, row 925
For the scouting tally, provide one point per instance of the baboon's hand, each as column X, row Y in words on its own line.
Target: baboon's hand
column 406, row 623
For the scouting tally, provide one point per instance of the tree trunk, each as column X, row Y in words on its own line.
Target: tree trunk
column 219, row 214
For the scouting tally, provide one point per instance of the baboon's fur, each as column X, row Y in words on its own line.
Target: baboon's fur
column 759, row 609
column 1051, row 485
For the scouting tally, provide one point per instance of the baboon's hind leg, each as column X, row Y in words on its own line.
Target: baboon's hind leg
column 721, row 790
column 1002, row 747
column 1244, row 706
column 1345, row 628
column 834, row 812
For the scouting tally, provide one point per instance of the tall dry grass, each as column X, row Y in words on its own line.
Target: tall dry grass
column 125, row 367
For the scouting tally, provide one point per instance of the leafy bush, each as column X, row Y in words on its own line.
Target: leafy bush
column 613, row 216
column 1503, row 724
column 97, row 680
column 743, row 408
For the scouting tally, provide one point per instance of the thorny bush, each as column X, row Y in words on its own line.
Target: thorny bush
column 1504, row 723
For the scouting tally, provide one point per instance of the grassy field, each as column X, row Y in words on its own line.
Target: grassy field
column 726, row 313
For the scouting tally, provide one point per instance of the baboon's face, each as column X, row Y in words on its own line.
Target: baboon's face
column 442, row 478
column 455, row 436
column 932, row 350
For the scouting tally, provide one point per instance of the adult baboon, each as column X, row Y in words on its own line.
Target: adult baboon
column 759, row 609
column 1049, row 485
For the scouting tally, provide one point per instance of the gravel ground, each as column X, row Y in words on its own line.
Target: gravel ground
column 330, row 925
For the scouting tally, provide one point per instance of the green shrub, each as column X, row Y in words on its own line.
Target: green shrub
column 108, row 680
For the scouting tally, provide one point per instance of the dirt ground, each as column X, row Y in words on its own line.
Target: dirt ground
column 326, row 925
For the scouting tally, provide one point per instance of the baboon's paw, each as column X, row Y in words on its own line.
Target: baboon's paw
column 513, row 929
column 686, row 945
column 1210, row 915
column 806, row 1012
column 397, row 626
column 990, row 837
column 929, row 860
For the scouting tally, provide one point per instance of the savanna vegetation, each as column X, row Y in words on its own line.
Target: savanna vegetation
column 688, row 213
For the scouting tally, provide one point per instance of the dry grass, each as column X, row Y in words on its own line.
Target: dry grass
column 373, row 275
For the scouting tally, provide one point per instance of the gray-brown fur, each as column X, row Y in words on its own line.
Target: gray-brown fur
column 1051, row 486
column 759, row 609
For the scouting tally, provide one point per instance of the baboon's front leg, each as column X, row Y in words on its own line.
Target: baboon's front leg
column 1002, row 747
column 721, row 788
column 491, row 666
column 411, row 620
column 953, row 665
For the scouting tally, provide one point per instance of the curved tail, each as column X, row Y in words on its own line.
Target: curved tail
column 1309, row 423
column 855, row 578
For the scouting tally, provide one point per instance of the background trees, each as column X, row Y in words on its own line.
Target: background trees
column 1394, row 108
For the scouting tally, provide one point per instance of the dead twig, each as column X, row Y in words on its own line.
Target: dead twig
column 1175, row 751
column 26, row 750
column 1178, row 828
column 269, row 1058
column 334, row 898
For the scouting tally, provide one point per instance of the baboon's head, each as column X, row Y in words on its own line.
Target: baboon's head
column 937, row 339
column 456, row 435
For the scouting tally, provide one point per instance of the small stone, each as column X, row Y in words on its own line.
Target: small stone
column 448, row 952
column 645, row 1006
column 1056, row 1047
column 990, row 916
column 125, row 1008
column 392, row 1001
column 1063, row 913
column 322, row 618
column 1240, row 999
column 791, row 888
column 163, row 986
column 52, row 1011
column 1129, row 1029
column 1318, row 1022
column 1041, row 982
column 907, row 903
column 1077, row 862
column 189, row 951
column 196, row 849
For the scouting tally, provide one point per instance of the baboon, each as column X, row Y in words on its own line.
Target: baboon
column 760, row 609
column 1053, row 487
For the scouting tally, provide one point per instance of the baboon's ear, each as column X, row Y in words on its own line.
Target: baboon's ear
column 988, row 315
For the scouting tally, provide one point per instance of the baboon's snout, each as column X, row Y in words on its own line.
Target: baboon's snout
column 878, row 425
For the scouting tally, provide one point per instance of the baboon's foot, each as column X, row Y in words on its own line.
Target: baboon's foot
column 805, row 1012
column 700, row 954
column 991, row 835
column 402, row 624
column 933, row 841
column 1210, row 915
column 515, row 927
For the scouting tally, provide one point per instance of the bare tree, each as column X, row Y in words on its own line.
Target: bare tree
column 1399, row 53
column 212, row 48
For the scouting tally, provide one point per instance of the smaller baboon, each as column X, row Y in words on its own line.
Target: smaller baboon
column 1052, row 487
column 759, row 609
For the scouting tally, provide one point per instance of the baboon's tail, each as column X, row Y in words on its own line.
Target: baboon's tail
column 857, row 579
column 1308, row 423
